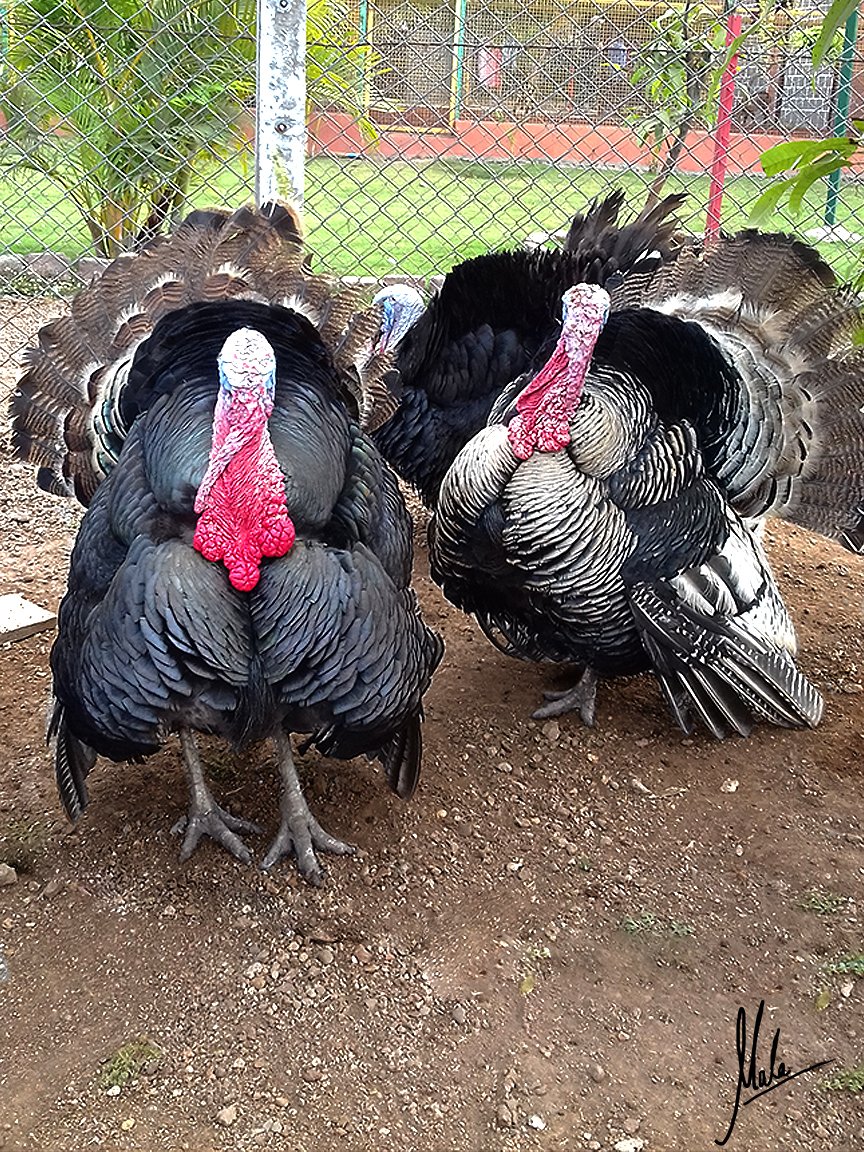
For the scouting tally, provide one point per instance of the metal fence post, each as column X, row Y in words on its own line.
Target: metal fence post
column 841, row 114
column 280, row 118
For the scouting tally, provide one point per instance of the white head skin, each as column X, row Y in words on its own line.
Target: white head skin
column 401, row 306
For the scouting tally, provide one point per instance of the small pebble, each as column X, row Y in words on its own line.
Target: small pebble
column 537, row 1122
column 325, row 956
column 632, row 1125
column 8, row 876
column 631, row 1144
column 596, row 1073
column 53, row 887
column 458, row 1014
column 114, row 1090
column 227, row 1116
column 504, row 1117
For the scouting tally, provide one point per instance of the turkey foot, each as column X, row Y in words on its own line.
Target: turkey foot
column 205, row 817
column 299, row 833
column 582, row 697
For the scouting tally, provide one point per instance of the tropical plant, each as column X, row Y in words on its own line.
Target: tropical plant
column 115, row 101
column 798, row 164
column 118, row 102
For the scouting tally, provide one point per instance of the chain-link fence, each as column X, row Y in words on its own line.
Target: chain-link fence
column 435, row 129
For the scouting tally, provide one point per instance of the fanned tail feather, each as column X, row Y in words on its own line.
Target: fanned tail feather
column 713, row 670
column 610, row 250
column 776, row 309
column 68, row 410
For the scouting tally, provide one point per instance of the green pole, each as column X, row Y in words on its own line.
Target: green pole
column 457, row 81
column 364, row 48
column 841, row 117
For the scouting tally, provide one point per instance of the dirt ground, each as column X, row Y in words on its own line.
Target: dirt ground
column 547, row 948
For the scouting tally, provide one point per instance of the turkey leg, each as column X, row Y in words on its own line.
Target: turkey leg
column 205, row 817
column 299, row 831
column 582, row 697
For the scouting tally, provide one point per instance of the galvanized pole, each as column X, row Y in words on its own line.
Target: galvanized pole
column 280, row 120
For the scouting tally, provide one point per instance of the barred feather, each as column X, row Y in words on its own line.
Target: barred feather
column 66, row 409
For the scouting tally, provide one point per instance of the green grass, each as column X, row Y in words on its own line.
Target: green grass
column 825, row 903
column 374, row 218
column 649, row 922
column 846, row 1080
column 128, row 1062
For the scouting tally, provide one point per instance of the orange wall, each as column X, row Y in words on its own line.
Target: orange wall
column 606, row 145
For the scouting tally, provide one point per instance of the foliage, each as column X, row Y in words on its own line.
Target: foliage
column 679, row 71
column 119, row 102
column 835, row 18
column 851, row 965
column 805, row 161
column 115, row 101
column 846, row 1080
column 129, row 1062
column 825, row 903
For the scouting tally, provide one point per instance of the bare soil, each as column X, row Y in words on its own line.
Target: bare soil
column 545, row 949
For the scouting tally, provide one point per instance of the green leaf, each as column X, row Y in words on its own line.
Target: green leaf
column 767, row 202
column 823, row 1000
column 837, row 15
column 793, row 154
column 809, row 177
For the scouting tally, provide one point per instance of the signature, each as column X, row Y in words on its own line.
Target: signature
column 758, row 1078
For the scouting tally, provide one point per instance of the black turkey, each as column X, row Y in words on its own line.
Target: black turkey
column 496, row 317
column 243, row 567
column 609, row 514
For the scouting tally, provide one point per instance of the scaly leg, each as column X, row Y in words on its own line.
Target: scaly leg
column 582, row 697
column 299, row 831
column 205, row 817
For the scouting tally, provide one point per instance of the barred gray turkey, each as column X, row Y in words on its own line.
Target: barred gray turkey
column 608, row 515
column 243, row 568
column 496, row 317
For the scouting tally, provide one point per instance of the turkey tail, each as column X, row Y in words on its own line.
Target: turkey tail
column 402, row 758
column 713, row 669
column 72, row 762
column 611, row 251
column 283, row 218
column 795, row 446
column 66, row 412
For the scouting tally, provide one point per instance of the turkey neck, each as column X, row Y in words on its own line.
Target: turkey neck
column 241, row 501
column 545, row 407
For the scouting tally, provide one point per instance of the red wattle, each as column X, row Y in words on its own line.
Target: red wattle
column 245, row 516
column 543, row 410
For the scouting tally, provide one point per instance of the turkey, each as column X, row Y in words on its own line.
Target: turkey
column 243, row 566
column 608, row 516
column 495, row 318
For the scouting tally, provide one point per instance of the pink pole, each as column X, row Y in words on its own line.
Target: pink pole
column 722, row 132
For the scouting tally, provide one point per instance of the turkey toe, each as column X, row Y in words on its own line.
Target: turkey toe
column 220, row 826
column 581, row 698
column 299, row 833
